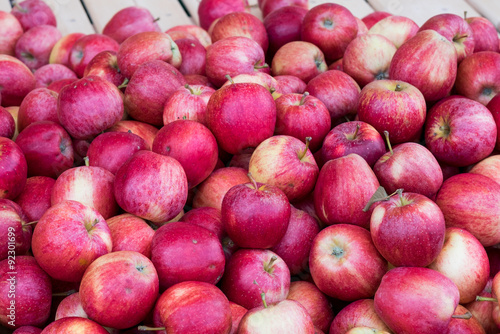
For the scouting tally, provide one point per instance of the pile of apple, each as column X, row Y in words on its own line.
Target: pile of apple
column 308, row 173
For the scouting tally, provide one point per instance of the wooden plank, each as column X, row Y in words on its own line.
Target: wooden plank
column 192, row 8
column 170, row 12
column 359, row 8
column 490, row 9
column 71, row 16
column 420, row 11
column 5, row 6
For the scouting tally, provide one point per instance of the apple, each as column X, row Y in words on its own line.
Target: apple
column 460, row 193
column 331, row 27
column 14, row 230
column 251, row 272
column 194, row 30
column 32, row 13
column 374, row 17
column 198, row 79
column 25, row 291
column 286, row 163
column 210, row 10
column 269, row 7
column 39, row 105
column 314, row 301
column 89, row 106
column 456, row 30
column 345, row 264
column 482, row 311
column 367, row 58
column 49, row 73
column 489, row 167
column 353, row 182
column 302, row 116
column 7, row 124
column 485, row 34
column 34, row 46
column 353, row 137
column 143, row 130
column 207, row 217
column 494, row 107
column 459, row 325
column 283, row 25
column 290, row 84
column 27, row 330
column 366, row 330
column 105, row 65
column 70, row 306
column 362, row 29
column 35, row 198
column 130, row 233
column 427, row 47
column 338, row 91
column 360, row 313
column 151, row 186
column 61, row 50
column 74, row 325
column 299, row 58
column 86, row 48
column 460, row 131
column 211, row 192
column 397, row 29
column 144, row 47
column 16, row 81
column 193, row 56
column 13, row 169
column 58, row 85
column 237, row 312
column 10, row 31
column 428, row 295
column 478, row 76
column 130, row 21
column 192, row 145
column 47, row 149
column 188, row 102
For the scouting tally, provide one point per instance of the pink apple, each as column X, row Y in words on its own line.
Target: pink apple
column 489, row 167
column 362, row 29
column 130, row 21
column 210, row 10
column 283, row 25
column 268, row 7
column 290, row 84
column 374, row 17
column 143, row 130
column 49, row 73
column 39, row 105
column 86, row 48
column 494, row 107
column 460, row 131
column 16, row 81
column 193, row 56
column 13, row 169
column 74, row 325
column 71, row 306
column 35, row 198
column 14, row 230
column 458, row 325
column 485, row 34
column 58, row 85
column 331, row 27
column 32, row 13
column 61, row 50
column 10, row 31
column 198, row 79
column 27, row 330
column 34, row 46
column 263, row 79
column 10, row 123
column 358, row 313
column 130, row 233
column 345, row 264
column 207, row 217
column 187, row 103
column 482, row 311
column 397, row 29
column 237, row 312
column 194, row 30
column 435, row 80
column 68, row 238
column 105, row 65
column 7, row 124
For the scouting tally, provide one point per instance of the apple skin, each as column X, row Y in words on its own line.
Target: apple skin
column 472, row 326
column 299, row 58
column 237, row 312
column 290, row 84
column 283, row 25
column 463, row 260
column 302, row 116
column 268, row 7
column 358, row 313
column 410, row 223
column 35, row 198
column 287, row 316
column 13, row 229
column 255, row 215
column 478, row 76
column 482, row 311
column 143, row 130
column 13, row 169
column 314, row 301
column 263, row 79
column 68, row 238
column 434, row 82
column 356, row 267
column 394, row 106
column 212, row 191
column 151, row 186
column 49, row 73
column 374, row 17
column 193, row 56
column 177, row 305
column 86, row 48
column 10, row 31
column 331, row 27
column 354, row 183
column 397, row 29
column 149, row 88
column 346, row 138
column 75, row 325
column 460, row 193
column 187, row 103
column 207, row 217
column 130, row 233
column 32, row 293
column 411, row 167
column 105, row 65
column 27, row 330
column 489, row 167
column 460, row 131
column 456, row 30
column 7, row 124
column 247, row 129
column 192, row 144
column 485, row 34
column 61, row 50
column 47, row 149
column 89, row 106
column 367, row 58
column 131, row 284
column 32, row 13
column 58, row 85
column 130, row 21
column 39, row 105
column 70, row 306
column 431, row 297
column 494, row 107
column 338, row 91
column 16, row 81
column 34, row 46
column 210, row 10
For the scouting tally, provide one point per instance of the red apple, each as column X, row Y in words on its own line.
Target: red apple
column 14, row 230
column 485, row 34
column 32, row 13
column 283, row 25
column 68, row 238
column 74, row 325
column 374, row 17
column 197, row 79
column 345, row 264
column 489, row 167
column 188, row 102
column 429, row 47
column 331, row 27
column 7, row 124
column 71, row 306
column 16, row 81
column 397, row 29
column 130, row 233
column 13, row 111
column 86, row 48
column 290, row 84
column 358, row 313
column 151, row 186
column 39, row 105
column 58, row 85
column 460, row 131
column 61, row 50
column 13, row 169
column 34, row 46
column 482, row 311
column 27, row 330
column 263, row 79
column 270, row 6
column 143, row 130
column 237, row 312
column 10, row 31
column 105, row 65
column 49, row 73
column 130, row 21
column 366, row 330
column 35, row 198
column 210, row 10
column 472, row 325
column 194, row 30
column 207, row 217
column 193, row 56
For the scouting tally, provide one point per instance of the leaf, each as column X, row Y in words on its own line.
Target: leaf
column 379, row 195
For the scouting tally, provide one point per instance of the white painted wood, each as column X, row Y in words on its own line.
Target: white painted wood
column 192, row 8
column 5, row 6
column 359, row 8
column 170, row 12
column 490, row 9
column 71, row 16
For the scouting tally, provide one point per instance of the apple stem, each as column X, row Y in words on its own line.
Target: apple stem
column 272, row 90
column 267, row 266
column 303, row 99
column 485, row 299
column 303, row 154
column 386, row 134
column 157, row 19
column 400, row 193
column 356, row 132
column 263, row 296
column 189, row 88
column 32, row 223
column 398, row 88
column 466, row 316
column 21, row 9
column 64, row 294
column 86, row 160
column 465, row 15
column 124, row 84
column 460, row 37
column 258, row 67
column 228, row 77
column 147, row 328
column 254, row 183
